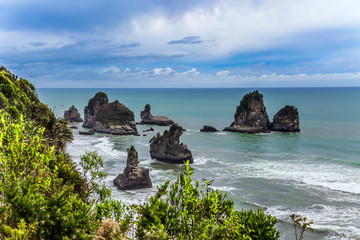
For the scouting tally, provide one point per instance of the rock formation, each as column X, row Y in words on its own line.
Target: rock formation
column 207, row 128
column 286, row 120
column 92, row 108
column 250, row 115
column 147, row 118
column 90, row 132
column 134, row 177
column 115, row 118
column 72, row 115
column 167, row 148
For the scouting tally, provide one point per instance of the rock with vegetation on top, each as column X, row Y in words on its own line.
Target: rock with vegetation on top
column 167, row 148
column 72, row 115
column 115, row 118
column 147, row 118
column 286, row 120
column 93, row 107
column 207, row 128
column 134, row 177
column 250, row 116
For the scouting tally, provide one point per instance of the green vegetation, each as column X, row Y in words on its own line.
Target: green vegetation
column 44, row 196
column 114, row 113
column 244, row 103
column 290, row 111
column 99, row 97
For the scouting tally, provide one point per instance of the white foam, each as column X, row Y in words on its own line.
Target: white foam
column 340, row 219
column 202, row 160
column 317, row 174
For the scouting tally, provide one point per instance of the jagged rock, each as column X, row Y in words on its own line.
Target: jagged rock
column 115, row 118
column 90, row 132
column 134, row 177
column 147, row 118
column 72, row 115
column 250, row 116
column 167, row 148
column 207, row 128
column 92, row 108
column 286, row 120
column 149, row 130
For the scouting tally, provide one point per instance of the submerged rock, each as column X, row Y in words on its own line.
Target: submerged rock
column 286, row 120
column 207, row 128
column 167, row 148
column 93, row 107
column 147, row 118
column 115, row 118
column 72, row 115
column 134, row 177
column 250, row 115
column 73, row 127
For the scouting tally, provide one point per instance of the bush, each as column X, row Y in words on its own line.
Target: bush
column 189, row 211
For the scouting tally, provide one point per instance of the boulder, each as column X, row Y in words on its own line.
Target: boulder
column 134, row 177
column 147, row 118
column 114, row 118
column 207, row 128
column 250, row 115
column 167, row 148
column 286, row 120
column 90, row 132
column 72, row 115
column 93, row 107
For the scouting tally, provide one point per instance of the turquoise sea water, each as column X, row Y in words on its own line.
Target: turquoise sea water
column 315, row 173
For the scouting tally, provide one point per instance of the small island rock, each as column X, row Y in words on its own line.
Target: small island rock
column 85, row 132
column 147, row 118
column 250, row 115
column 93, row 107
column 114, row 118
column 207, row 128
column 167, row 148
column 286, row 120
column 134, row 177
column 72, row 115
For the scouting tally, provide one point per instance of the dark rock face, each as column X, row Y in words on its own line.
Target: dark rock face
column 207, row 128
column 286, row 120
column 147, row 118
column 90, row 132
column 115, row 118
column 93, row 107
column 167, row 148
column 72, row 115
column 134, row 177
column 250, row 116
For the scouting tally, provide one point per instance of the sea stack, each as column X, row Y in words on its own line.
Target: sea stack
column 114, row 118
column 72, row 115
column 167, row 148
column 250, row 115
column 286, row 120
column 207, row 128
column 134, row 177
column 93, row 107
column 147, row 118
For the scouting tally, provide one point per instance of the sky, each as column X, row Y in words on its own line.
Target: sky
column 182, row 44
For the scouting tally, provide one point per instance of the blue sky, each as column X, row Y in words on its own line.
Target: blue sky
column 168, row 43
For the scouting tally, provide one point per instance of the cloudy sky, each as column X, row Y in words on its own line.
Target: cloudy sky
column 172, row 43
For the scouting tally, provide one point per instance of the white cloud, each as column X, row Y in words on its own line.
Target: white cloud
column 236, row 26
column 111, row 69
column 223, row 73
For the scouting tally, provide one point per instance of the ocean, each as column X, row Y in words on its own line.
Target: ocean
column 314, row 173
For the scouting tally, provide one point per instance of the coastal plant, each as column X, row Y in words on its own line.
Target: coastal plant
column 300, row 225
column 192, row 211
